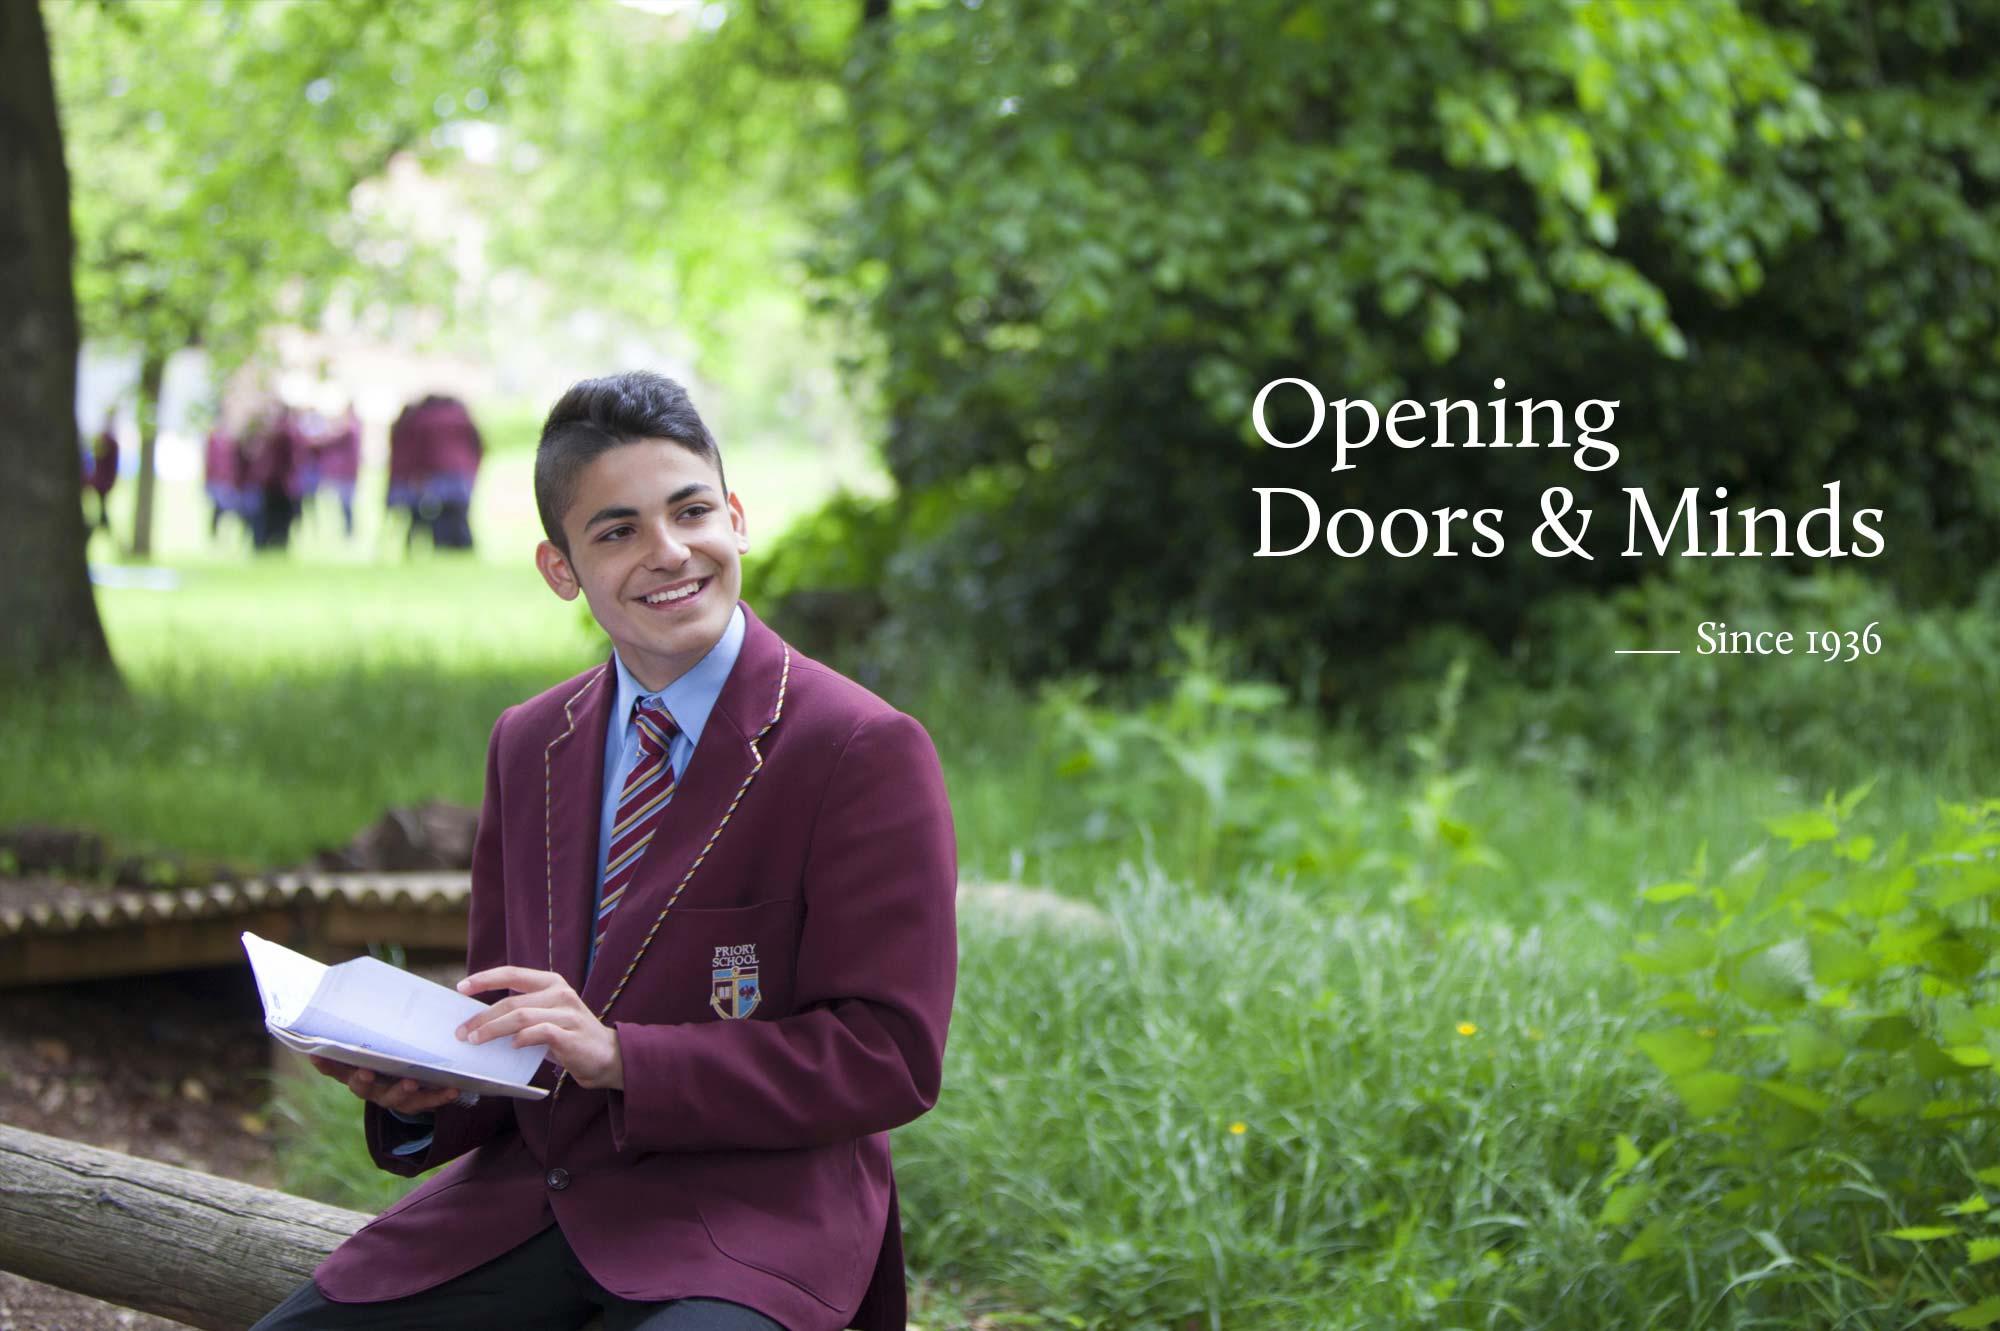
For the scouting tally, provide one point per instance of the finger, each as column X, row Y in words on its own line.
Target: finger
column 548, row 1033
column 506, row 977
column 517, row 1020
column 328, row 1067
column 539, row 998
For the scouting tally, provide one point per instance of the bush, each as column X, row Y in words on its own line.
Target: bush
column 1834, row 1024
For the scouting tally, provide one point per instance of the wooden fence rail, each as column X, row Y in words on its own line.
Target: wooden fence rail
column 181, row 1244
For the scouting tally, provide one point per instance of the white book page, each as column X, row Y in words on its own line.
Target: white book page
column 411, row 1016
column 370, row 1005
column 286, row 980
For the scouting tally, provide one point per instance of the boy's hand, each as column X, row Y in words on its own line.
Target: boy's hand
column 402, row 1096
column 544, row 1010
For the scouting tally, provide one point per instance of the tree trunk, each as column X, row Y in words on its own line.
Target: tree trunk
column 152, row 371
column 173, row 1242
column 48, row 616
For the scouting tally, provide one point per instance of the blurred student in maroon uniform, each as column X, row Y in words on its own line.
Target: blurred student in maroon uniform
column 219, row 476
column 273, row 480
column 403, row 471
column 439, row 449
column 339, row 456
column 104, row 467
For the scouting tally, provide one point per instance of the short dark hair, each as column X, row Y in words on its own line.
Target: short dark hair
column 597, row 415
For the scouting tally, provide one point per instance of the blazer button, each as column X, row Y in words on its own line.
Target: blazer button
column 558, row 1179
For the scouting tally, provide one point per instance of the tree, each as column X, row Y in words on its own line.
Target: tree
column 1092, row 231
column 48, row 619
column 221, row 145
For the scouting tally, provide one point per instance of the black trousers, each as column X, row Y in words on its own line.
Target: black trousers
column 539, row 1286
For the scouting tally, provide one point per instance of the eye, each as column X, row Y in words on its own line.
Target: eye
column 697, row 511
column 615, row 532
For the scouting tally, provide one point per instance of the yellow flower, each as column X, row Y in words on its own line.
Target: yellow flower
column 1706, row 1032
column 1534, row 1033
column 1238, row 1129
column 1467, row 1028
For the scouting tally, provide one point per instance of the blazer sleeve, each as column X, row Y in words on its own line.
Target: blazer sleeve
column 877, row 963
column 459, row 1128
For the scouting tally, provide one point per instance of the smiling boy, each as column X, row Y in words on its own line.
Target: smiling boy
column 714, row 879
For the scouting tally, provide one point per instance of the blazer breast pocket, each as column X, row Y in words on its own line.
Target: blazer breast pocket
column 731, row 965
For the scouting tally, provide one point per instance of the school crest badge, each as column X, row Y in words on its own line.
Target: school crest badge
column 732, row 981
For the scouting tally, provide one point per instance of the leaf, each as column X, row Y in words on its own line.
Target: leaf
column 1990, row 1174
column 1672, row 953
column 1622, row 1205
column 1766, row 980
column 1627, row 1160
column 1971, row 1055
column 1801, row 1097
column 1677, row 1051
column 1839, row 959
column 1979, row 1251
column 1804, row 828
column 1955, row 957
column 1979, row 1316
column 1652, row 1239
column 1924, row 1233
column 1890, row 1103
column 1810, row 1049
column 1661, row 893
column 1976, row 1204
column 1853, row 798
column 1887, row 1034
column 1706, row 1094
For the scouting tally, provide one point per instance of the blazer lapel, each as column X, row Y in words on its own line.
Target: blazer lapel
column 574, row 775
column 724, row 763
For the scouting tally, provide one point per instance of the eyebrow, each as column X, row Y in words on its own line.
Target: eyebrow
column 620, row 513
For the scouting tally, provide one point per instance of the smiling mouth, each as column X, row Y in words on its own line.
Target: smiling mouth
column 675, row 595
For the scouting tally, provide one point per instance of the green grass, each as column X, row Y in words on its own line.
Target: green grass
column 1411, row 1001
column 277, row 704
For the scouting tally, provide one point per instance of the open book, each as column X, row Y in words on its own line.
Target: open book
column 372, row 1015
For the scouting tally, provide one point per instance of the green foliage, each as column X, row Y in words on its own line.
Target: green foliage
column 215, row 148
column 1834, row 1024
column 1084, row 234
column 1221, row 777
column 321, row 1151
column 1565, row 699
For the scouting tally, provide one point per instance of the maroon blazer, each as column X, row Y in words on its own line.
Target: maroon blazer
column 747, row 1157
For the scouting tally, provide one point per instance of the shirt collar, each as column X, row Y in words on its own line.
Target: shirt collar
column 692, row 697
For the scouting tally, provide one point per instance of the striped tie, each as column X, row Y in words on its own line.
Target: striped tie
column 640, row 804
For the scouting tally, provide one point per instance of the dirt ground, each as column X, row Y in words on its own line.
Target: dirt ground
column 172, row 1068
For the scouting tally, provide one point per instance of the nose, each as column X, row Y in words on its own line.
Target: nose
column 664, row 550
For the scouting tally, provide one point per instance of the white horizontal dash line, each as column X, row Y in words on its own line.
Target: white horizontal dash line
column 1646, row 651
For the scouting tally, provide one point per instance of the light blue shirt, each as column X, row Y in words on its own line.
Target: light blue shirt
column 688, row 700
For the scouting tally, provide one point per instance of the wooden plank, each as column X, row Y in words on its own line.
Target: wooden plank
column 330, row 931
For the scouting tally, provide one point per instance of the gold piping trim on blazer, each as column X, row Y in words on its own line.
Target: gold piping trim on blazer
column 548, row 804
column 784, row 678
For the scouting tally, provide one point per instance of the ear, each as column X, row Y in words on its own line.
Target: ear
column 556, row 571
column 739, row 524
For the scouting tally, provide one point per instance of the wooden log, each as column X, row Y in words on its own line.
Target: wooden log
column 174, row 1242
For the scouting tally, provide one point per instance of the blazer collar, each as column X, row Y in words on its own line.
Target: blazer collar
column 725, row 760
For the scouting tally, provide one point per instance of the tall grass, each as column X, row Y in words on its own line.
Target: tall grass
column 1353, row 1048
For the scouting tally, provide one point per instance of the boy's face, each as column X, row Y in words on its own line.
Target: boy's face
column 656, row 549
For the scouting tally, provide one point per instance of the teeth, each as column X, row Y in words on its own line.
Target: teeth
column 673, row 594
